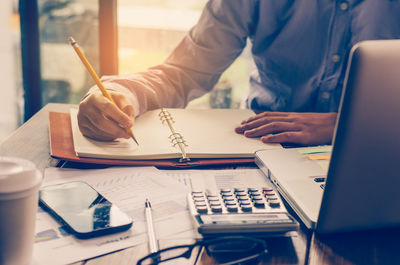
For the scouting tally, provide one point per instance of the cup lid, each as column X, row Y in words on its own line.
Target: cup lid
column 17, row 175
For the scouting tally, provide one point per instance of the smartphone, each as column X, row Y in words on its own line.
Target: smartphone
column 83, row 211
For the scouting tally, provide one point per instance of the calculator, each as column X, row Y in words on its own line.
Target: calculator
column 240, row 211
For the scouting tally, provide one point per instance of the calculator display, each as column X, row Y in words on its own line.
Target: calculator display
column 240, row 219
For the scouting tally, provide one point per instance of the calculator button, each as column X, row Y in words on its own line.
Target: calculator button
column 255, row 194
column 216, row 209
column 270, row 193
column 229, row 199
column 245, row 203
column 197, row 193
column 243, row 198
column 212, row 198
column 232, row 209
column 195, row 196
column 223, row 191
column 202, row 209
column 199, row 200
column 224, row 195
column 273, row 202
column 259, row 203
column 246, row 208
column 200, row 204
column 267, row 189
column 241, row 193
column 230, row 203
column 240, row 190
column 250, row 190
column 215, row 204
column 257, row 197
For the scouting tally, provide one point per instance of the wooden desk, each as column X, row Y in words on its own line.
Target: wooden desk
column 31, row 142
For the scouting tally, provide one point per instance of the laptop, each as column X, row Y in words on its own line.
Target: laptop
column 362, row 188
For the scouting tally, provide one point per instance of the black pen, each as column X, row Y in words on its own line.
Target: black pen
column 150, row 230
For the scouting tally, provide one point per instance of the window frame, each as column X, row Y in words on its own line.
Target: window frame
column 30, row 49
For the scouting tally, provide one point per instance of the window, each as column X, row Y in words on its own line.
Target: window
column 149, row 30
column 64, row 78
column 10, row 73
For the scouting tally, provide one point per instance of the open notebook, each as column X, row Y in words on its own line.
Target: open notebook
column 176, row 133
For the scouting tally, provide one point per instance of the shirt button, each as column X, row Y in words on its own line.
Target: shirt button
column 325, row 95
column 335, row 58
column 344, row 6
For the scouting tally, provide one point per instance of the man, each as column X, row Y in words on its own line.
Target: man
column 300, row 49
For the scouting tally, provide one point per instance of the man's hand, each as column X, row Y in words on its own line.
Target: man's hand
column 100, row 119
column 290, row 127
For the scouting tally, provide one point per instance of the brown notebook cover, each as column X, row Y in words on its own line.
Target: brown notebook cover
column 62, row 147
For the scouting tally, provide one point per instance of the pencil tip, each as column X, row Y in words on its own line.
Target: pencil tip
column 134, row 139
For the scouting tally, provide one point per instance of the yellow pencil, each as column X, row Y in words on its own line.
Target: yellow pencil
column 96, row 78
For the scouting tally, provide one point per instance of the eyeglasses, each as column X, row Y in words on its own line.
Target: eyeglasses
column 227, row 250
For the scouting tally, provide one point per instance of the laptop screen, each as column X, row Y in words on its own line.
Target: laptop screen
column 364, row 173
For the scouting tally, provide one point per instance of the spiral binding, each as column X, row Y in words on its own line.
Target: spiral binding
column 165, row 116
column 175, row 138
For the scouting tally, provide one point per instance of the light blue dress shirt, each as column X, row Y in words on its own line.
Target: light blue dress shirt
column 300, row 47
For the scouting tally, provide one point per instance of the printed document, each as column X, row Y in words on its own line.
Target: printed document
column 127, row 187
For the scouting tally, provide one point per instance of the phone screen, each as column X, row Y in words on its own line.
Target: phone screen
column 83, row 210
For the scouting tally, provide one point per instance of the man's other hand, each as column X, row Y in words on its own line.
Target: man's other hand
column 290, row 127
column 100, row 119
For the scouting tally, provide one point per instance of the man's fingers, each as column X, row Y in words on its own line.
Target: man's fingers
column 300, row 128
column 113, row 112
column 101, row 119
column 97, row 104
column 130, row 111
column 285, row 137
column 265, row 114
column 87, row 129
column 124, row 104
column 260, row 122
column 96, row 126
column 273, row 127
column 95, row 134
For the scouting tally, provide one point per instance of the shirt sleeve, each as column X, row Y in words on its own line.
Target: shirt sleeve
column 196, row 64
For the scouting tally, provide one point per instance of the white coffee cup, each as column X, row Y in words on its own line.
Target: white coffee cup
column 19, row 191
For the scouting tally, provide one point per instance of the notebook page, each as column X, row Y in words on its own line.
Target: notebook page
column 151, row 134
column 210, row 133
